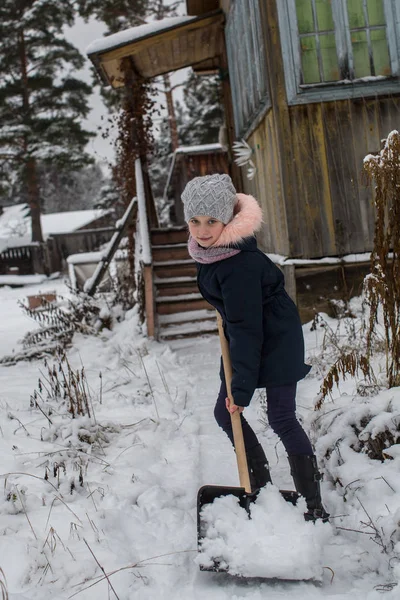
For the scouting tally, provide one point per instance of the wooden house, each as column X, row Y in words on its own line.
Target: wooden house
column 312, row 86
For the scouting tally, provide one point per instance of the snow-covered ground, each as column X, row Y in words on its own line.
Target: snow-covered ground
column 127, row 502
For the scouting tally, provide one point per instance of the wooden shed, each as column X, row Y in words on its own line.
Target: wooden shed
column 189, row 162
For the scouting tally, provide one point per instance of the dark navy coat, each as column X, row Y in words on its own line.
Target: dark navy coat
column 261, row 322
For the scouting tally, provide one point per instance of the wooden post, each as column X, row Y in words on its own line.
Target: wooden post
column 149, row 299
column 289, row 272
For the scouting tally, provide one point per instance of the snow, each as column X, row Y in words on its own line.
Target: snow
column 69, row 221
column 83, row 258
column 289, row 548
column 143, row 234
column 21, row 279
column 198, row 149
column 279, row 259
column 177, row 298
column 134, row 34
column 157, row 444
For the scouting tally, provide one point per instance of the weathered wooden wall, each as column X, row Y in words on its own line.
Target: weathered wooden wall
column 267, row 187
column 328, row 143
column 309, row 160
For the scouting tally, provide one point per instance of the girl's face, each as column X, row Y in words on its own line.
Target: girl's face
column 205, row 230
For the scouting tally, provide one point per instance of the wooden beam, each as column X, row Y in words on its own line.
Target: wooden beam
column 149, row 299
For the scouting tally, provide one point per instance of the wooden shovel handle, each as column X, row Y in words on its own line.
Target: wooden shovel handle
column 238, row 440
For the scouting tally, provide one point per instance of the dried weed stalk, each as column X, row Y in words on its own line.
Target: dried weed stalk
column 63, row 384
column 382, row 284
column 3, row 585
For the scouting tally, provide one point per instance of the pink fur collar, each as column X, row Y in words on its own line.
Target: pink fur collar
column 246, row 221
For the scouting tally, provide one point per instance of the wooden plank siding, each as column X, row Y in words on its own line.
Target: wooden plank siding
column 331, row 211
column 267, row 187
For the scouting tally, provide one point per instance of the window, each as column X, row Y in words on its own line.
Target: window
column 247, row 66
column 336, row 49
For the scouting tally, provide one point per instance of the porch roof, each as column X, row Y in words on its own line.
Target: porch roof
column 160, row 47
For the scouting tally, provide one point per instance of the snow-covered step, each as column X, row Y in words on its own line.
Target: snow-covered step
column 189, row 316
column 181, row 303
column 180, row 298
column 174, row 268
column 171, row 280
column 173, row 263
column 189, row 329
column 167, row 252
column 168, row 246
column 177, row 289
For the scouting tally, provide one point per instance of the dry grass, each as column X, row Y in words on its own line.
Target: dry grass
column 382, row 284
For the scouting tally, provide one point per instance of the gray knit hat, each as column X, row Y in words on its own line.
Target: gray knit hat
column 212, row 195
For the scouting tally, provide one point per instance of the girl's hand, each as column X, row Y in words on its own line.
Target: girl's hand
column 231, row 408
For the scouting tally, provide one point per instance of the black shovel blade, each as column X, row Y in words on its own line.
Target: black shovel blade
column 208, row 493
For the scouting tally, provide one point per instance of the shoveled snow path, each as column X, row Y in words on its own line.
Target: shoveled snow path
column 343, row 556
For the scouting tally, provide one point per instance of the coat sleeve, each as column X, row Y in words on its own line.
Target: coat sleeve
column 243, row 306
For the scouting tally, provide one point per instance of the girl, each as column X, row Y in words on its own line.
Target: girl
column 261, row 324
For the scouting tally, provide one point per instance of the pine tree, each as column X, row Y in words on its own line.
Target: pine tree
column 116, row 14
column 41, row 102
column 73, row 189
column 109, row 196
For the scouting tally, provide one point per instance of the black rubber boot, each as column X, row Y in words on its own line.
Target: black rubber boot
column 258, row 468
column 306, row 477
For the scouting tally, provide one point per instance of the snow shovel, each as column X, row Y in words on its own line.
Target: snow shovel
column 208, row 493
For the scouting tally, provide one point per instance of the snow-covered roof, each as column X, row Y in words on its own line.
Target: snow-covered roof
column 134, row 34
column 65, row 222
column 199, row 149
column 15, row 223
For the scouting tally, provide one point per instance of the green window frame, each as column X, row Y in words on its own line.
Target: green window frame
column 247, row 65
column 336, row 49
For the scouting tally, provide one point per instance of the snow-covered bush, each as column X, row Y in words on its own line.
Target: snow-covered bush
column 59, row 321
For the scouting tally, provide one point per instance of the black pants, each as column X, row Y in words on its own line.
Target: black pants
column 281, row 412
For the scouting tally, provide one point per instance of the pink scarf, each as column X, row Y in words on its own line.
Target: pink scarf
column 206, row 256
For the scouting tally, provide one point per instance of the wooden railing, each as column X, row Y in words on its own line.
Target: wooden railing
column 143, row 251
column 120, row 228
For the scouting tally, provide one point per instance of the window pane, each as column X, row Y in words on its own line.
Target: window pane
column 361, row 62
column 324, row 15
column 376, row 13
column 305, row 17
column 309, row 60
column 380, row 52
column 329, row 57
column 356, row 13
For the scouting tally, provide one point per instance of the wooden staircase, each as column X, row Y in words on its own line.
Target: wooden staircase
column 180, row 309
